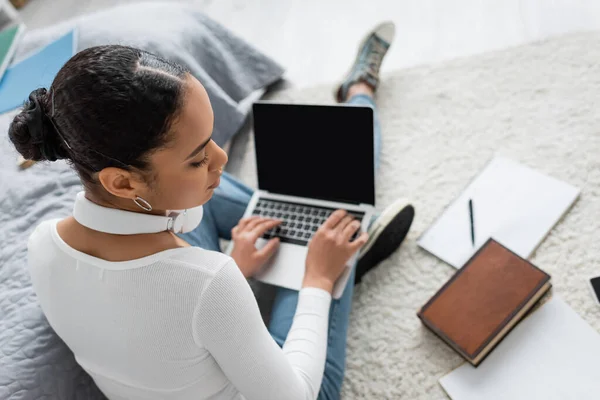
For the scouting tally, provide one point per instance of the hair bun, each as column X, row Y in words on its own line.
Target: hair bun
column 33, row 133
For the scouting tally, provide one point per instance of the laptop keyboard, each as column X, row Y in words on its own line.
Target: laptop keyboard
column 300, row 221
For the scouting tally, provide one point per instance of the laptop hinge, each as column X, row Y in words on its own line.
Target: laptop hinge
column 353, row 203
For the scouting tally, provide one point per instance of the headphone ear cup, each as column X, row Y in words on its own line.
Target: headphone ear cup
column 192, row 218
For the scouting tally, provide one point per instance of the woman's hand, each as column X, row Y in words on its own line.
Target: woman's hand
column 244, row 236
column 330, row 249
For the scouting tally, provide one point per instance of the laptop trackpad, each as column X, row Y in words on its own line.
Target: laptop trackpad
column 286, row 267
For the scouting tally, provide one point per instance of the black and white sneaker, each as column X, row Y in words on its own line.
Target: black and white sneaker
column 386, row 234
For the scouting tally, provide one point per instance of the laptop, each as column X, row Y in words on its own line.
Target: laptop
column 311, row 160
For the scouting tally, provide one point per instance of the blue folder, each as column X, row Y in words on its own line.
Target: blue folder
column 37, row 70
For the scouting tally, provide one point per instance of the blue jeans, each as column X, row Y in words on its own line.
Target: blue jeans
column 224, row 211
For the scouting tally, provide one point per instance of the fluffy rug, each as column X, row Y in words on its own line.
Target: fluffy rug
column 537, row 104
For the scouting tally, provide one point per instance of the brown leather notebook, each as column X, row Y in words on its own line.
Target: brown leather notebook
column 484, row 300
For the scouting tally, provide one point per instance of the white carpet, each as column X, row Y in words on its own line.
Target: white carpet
column 538, row 104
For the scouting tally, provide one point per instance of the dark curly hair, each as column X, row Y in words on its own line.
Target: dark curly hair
column 109, row 106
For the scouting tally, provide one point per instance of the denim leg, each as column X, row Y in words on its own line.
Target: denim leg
column 364, row 100
column 286, row 300
column 221, row 214
column 282, row 316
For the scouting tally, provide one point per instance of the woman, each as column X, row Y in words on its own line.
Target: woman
column 140, row 293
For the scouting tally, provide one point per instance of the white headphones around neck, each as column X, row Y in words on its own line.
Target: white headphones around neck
column 121, row 222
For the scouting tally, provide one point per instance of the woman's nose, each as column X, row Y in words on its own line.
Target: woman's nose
column 220, row 158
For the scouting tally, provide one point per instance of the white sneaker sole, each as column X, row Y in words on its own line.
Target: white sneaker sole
column 381, row 222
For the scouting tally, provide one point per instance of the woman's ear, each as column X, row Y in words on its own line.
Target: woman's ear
column 122, row 183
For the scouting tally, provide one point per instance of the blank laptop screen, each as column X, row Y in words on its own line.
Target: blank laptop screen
column 320, row 152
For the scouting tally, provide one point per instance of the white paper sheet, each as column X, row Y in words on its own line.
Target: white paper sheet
column 551, row 355
column 512, row 204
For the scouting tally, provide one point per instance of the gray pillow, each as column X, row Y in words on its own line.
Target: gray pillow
column 229, row 68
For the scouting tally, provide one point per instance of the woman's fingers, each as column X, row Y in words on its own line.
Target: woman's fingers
column 255, row 222
column 334, row 219
column 242, row 225
column 245, row 221
column 350, row 229
column 267, row 251
column 344, row 223
column 359, row 241
column 262, row 227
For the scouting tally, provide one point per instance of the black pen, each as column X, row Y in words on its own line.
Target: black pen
column 472, row 222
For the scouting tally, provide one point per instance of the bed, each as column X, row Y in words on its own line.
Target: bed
column 34, row 362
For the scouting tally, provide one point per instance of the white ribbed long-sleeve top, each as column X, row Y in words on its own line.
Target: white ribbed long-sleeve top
column 179, row 324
